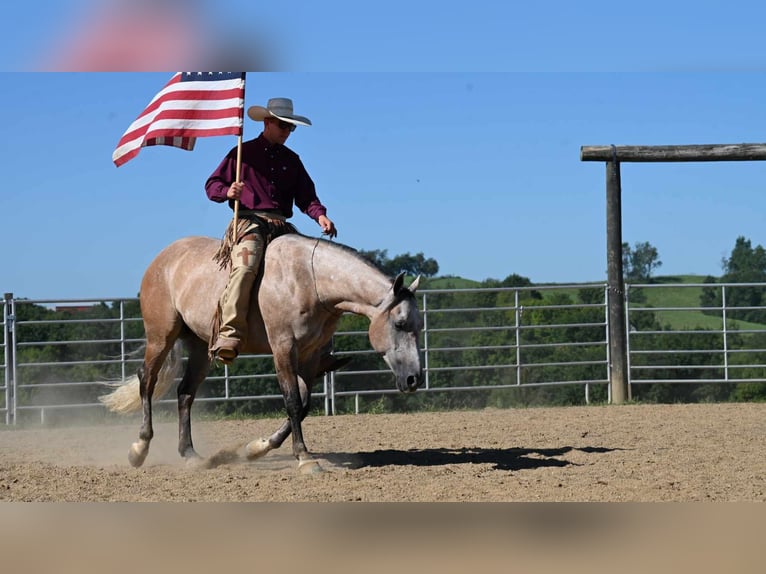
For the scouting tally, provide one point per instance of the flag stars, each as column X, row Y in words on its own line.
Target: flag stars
column 205, row 73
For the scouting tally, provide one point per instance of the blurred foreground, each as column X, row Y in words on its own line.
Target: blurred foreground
column 327, row 538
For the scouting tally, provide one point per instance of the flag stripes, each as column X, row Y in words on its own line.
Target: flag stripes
column 191, row 105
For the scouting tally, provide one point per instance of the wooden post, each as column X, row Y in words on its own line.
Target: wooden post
column 613, row 155
column 618, row 342
column 674, row 153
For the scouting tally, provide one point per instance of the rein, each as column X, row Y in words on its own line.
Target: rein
column 314, row 276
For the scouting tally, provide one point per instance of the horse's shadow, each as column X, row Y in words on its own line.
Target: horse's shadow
column 501, row 459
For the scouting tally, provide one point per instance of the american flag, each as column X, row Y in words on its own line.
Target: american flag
column 191, row 105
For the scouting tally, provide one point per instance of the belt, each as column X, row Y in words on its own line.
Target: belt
column 267, row 213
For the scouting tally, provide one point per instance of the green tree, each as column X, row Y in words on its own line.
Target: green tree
column 640, row 262
column 411, row 264
column 746, row 264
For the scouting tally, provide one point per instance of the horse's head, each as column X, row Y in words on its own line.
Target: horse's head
column 395, row 334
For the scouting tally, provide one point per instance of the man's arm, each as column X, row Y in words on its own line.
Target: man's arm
column 217, row 185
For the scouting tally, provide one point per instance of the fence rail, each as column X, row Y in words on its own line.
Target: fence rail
column 57, row 355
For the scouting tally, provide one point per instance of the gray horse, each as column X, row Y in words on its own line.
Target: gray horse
column 307, row 284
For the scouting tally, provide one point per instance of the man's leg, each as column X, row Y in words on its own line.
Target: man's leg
column 235, row 302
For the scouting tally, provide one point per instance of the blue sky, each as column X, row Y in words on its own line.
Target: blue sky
column 453, row 131
column 479, row 171
column 406, row 35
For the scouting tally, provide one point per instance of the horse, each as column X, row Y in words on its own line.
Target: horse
column 305, row 285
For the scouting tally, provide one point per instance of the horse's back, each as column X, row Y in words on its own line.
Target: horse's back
column 291, row 267
column 285, row 254
column 183, row 282
column 294, row 253
column 182, row 263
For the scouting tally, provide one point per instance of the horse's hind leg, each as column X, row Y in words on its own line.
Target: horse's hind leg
column 261, row 446
column 196, row 370
column 147, row 375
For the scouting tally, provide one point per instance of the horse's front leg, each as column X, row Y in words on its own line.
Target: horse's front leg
column 259, row 447
column 295, row 415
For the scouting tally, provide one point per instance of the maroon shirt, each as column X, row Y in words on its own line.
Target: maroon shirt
column 274, row 179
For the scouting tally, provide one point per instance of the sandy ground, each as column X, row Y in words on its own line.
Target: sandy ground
column 599, row 453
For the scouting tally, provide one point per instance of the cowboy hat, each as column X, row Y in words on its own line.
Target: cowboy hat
column 280, row 108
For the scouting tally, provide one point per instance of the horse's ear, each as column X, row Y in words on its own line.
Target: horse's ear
column 414, row 285
column 398, row 283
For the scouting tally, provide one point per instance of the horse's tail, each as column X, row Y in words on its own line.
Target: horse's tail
column 126, row 398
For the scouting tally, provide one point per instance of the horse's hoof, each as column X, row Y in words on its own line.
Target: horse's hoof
column 257, row 448
column 309, row 467
column 137, row 454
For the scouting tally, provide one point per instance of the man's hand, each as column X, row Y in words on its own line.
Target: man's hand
column 328, row 227
column 235, row 190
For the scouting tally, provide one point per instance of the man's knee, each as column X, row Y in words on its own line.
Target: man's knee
column 247, row 253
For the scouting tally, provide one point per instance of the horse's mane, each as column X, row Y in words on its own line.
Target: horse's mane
column 341, row 247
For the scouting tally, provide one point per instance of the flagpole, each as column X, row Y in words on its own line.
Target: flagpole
column 236, row 201
column 239, row 164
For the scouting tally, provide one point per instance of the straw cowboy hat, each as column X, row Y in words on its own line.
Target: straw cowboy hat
column 280, row 108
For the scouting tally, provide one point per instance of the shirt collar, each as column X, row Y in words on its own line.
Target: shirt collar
column 265, row 143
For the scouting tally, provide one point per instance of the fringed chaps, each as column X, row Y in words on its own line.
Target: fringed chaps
column 270, row 228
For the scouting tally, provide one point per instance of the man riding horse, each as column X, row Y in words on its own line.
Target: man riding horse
column 273, row 178
column 306, row 286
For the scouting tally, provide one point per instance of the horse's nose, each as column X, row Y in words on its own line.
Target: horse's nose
column 413, row 381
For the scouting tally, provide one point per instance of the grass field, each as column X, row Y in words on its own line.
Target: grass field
column 679, row 295
column 683, row 292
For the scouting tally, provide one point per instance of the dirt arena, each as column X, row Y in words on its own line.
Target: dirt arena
column 710, row 452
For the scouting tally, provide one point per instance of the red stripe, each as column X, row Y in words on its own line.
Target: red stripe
column 194, row 114
column 212, row 94
column 126, row 157
column 153, row 106
column 191, row 95
column 183, row 115
column 207, row 96
column 196, row 133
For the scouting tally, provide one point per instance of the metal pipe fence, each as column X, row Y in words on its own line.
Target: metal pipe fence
column 719, row 339
column 486, row 349
column 7, row 388
column 479, row 347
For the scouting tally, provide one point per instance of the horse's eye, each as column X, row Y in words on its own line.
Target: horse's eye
column 400, row 325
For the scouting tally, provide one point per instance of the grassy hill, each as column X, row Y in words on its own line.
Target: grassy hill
column 666, row 295
column 448, row 283
column 663, row 294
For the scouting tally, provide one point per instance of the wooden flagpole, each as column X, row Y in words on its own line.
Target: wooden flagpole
column 239, row 179
column 239, row 167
